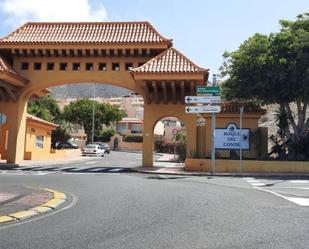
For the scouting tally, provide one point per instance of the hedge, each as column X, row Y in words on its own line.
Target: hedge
column 133, row 138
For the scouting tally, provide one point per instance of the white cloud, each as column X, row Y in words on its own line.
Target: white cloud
column 20, row 11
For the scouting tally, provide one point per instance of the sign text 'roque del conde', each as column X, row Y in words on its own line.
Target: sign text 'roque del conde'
column 230, row 138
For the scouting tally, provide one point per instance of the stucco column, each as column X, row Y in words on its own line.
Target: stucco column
column 16, row 118
column 190, row 122
column 200, row 141
column 148, row 141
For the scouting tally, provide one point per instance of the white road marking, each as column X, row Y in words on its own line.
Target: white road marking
column 91, row 162
column 297, row 200
column 253, row 181
column 299, row 181
column 115, row 170
column 78, row 169
column 257, row 184
column 96, row 169
column 248, row 178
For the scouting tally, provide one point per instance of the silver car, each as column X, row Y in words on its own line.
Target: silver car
column 93, row 150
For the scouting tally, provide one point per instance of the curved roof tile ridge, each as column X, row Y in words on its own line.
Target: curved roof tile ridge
column 76, row 32
column 164, row 63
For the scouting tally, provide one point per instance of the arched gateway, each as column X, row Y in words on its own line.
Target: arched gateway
column 132, row 55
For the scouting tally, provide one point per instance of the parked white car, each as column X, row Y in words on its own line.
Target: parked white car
column 93, row 150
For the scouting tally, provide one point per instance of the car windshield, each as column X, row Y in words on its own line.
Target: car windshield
column 91, row 146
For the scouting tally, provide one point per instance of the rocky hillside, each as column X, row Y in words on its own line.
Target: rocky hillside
column 86, row 90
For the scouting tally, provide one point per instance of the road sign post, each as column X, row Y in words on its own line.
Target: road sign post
column 213, row 150
column 241, row 109
column 210, row 95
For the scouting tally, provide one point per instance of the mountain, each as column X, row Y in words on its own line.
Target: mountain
column 87, row 91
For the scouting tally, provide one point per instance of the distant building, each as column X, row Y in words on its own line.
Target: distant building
column 38, row 138
column 128, row 126
column 168, row 128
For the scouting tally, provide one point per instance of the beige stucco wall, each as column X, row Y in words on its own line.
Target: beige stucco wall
column 248, row 166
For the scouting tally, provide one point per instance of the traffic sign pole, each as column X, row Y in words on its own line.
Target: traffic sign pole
column 213, row 151
column 241, row 138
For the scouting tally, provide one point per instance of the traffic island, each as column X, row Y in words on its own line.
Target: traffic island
column 18, row 203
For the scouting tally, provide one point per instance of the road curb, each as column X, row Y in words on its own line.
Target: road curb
column 53, row 203
column 219, row 174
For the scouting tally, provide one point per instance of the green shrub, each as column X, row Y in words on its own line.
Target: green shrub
column 181, row 150
column 133, row 138
column 106, row 135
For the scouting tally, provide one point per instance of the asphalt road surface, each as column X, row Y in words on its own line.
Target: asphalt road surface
column 130, row 210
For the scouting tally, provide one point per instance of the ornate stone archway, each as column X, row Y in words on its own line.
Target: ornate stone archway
column 132, row 55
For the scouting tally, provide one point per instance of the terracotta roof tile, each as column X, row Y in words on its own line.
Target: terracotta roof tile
column 32, row 117
column 85, row 32
column 169, row 61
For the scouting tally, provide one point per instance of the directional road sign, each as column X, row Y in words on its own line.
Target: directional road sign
column 203, row 109
column 208, row 89
column 202, row 99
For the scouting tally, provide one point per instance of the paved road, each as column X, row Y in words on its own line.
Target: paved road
column 130, row 210
column 115, row 162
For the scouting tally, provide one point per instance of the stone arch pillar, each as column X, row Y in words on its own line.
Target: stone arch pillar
column 148, row 138
column 16, row 119
column 152, row 114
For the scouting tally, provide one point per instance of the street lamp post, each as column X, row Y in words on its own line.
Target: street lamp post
column 93, row 110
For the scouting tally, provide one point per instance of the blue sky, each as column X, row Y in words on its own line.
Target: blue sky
column 201, row 29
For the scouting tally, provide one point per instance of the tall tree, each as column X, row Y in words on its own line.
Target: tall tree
column 45, row 108
column 274, row 69
column 80, row 112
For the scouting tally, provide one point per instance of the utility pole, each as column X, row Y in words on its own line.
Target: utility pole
column 241, row 109
column 93, row 110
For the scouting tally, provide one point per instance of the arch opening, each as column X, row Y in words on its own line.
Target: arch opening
column 170, row 142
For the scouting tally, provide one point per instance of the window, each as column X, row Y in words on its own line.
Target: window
column 76, row 66
column 50, row 66
column 39, row 141
column 37, row 66
column 129, row 66
column 115, row 67
column 89, row 66
column 63, row 66
column 24, row 66
column 102, row 66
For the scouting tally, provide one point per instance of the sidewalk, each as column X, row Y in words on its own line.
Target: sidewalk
column 17, row 198
column 63, row 160
column 181, row 171
column 19, row 202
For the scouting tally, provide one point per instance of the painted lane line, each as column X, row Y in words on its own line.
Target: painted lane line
column 298, row 181
column 257, row 184
column 297, row 200
column 252, row 181
column 95, row 169
column 66, row 168
column 91, row 162
column 248, row 178
column 115, row 170
column 300, row 201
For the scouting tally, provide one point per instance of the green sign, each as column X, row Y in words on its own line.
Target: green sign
column 208, row 89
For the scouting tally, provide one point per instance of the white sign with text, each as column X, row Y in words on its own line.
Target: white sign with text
column 229, row 138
